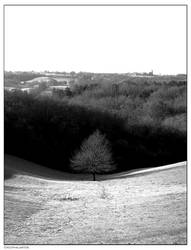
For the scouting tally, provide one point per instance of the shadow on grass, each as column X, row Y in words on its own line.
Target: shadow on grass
column 17, row 166
column 8, row 174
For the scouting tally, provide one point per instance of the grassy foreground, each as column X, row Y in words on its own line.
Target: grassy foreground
column 43, row 206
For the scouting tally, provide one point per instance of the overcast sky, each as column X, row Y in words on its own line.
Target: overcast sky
column 96, row 39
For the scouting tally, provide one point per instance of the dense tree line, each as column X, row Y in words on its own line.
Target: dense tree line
column 144, row 124
column 153, row 103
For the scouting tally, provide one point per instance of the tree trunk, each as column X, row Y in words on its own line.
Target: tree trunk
column 94, row 177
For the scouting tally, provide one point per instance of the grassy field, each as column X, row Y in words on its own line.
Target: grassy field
column 43, row 206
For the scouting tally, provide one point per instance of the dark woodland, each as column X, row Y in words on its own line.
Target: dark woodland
column 143, row 119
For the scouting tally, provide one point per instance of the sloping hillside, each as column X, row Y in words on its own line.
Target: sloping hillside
column 47, row 207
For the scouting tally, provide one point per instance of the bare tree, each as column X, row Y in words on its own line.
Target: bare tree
column 94, row 156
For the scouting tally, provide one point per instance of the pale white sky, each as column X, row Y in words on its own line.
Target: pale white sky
column 96, row 39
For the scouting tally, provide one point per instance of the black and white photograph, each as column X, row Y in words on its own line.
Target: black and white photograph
column 94, row 123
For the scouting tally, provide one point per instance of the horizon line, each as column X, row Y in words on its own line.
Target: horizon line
column 93, row 72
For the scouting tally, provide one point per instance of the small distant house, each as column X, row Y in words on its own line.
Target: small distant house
column 151, row 73
column 28, row 90
column 12, row 89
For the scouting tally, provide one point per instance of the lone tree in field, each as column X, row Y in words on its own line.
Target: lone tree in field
column 94, row 156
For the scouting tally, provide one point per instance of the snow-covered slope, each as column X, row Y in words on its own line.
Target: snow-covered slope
column 43, row 206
